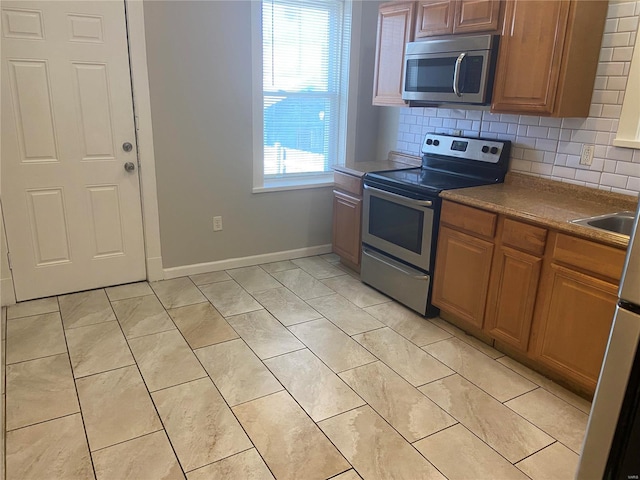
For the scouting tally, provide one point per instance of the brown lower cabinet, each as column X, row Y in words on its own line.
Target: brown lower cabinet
column 462, row 290
column 547, row 295
column 347, row 218
column 347, row 212
column 575, row 307
column 512, row 296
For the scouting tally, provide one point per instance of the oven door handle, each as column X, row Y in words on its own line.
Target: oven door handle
column 380, row 259
column 395, row 196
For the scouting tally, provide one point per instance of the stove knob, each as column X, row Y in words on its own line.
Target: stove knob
column 485, row 149
column 494, row 150
column 429, row 141
column 436, row 143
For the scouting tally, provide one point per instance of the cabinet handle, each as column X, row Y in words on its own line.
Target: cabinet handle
column 456, row 74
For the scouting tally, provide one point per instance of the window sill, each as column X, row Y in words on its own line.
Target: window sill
column 299, row 183
column 619, row 142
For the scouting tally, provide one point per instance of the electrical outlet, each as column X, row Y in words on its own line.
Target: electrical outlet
column 457, row 133
column 586, row 157
column 217, row 224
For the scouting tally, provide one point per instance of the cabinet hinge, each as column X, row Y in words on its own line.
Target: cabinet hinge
column 9, row 260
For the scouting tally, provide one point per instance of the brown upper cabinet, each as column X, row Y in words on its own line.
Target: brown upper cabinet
column 548, row 57
column 434, row 17
column 395, row 29
column 443, row 17
column 397, row 22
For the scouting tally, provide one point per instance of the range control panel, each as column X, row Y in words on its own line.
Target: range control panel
column 463, row 147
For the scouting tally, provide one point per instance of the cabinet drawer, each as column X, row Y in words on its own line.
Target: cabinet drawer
column 348, row 183
column 524, row 237
column 590, row 256
column 469, row 219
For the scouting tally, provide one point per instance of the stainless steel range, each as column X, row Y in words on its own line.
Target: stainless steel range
column 401, row 213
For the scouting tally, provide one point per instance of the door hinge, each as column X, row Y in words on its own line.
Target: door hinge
column 9, row 260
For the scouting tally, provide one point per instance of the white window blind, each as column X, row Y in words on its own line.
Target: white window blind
column 305, row 54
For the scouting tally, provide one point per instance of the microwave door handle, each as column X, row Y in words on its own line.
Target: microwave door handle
column 456, row 74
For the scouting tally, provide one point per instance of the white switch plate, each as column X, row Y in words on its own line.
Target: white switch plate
column 586, row 157
column 217, row 224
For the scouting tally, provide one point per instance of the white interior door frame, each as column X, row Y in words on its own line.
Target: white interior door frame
column 142, row 106
column 148, row 190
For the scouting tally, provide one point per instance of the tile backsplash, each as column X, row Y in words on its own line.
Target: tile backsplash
column 551, row 147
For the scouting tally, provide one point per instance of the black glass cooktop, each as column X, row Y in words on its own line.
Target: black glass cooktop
column 424, row 180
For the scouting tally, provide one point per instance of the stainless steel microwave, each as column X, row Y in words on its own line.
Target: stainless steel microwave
column 452, row 70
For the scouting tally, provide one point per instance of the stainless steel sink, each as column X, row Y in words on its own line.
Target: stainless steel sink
column 620, row 222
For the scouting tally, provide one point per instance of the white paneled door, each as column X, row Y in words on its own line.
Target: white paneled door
column 72, row 211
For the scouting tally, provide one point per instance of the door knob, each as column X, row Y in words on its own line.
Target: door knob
column 127, row 147
column 129, row 166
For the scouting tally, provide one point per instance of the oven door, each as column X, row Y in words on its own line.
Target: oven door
column 399, row 226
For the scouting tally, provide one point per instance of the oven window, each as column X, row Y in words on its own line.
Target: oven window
column 397, row 224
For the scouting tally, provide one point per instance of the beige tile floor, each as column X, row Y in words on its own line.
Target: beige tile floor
column 292, row 370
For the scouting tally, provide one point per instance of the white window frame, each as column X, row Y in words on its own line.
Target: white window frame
column 298, row 181
column 628, row 134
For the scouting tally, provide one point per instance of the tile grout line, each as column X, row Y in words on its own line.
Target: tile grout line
column 273, row 393
column 334, row 373
column 234, row 413
column 145, row 383
column 262, row 361
column 547, row 390
column 75, row 386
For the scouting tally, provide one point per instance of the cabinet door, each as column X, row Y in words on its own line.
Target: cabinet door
column 512, row 295
column 461, row 277
column 574, row 322
column 530, row 56
column 347, row 215
column 434, row 17
column 395, row 29
column 476, row 16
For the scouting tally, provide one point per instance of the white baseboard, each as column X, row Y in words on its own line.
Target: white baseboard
column 197, row 268
column 154, row 269
column 7, row 294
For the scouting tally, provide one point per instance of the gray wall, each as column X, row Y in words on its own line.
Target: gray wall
column 199, row 59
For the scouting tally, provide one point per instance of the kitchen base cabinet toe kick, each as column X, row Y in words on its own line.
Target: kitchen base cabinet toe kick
column 541, row 296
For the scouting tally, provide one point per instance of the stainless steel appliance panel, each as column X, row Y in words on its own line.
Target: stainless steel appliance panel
column 610, row 392
column 599, row 454
column 401, row 282
column 398, row 225
column 447, row 69
column 452, row 44
column 452, row 70
column 630, row 282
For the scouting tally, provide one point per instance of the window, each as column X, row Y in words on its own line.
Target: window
column 629, row 127
column 302, row 109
